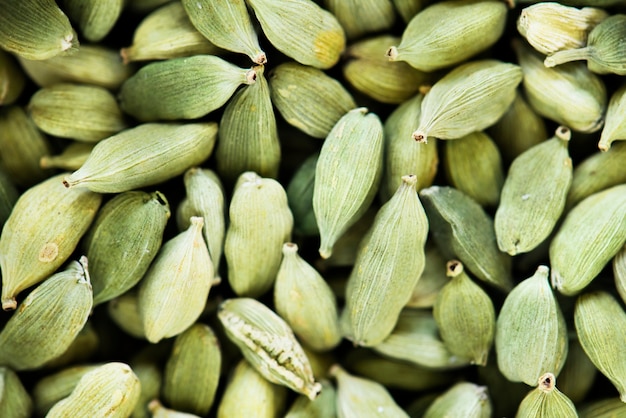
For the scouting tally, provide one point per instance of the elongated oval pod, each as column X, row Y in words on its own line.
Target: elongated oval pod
column 260, row 222
column 603, row 408
column 268, row 343
column 166, row 33
column 339, row 196
column 431, row 281
column 8, row 197
column 70, row 159
column 175, row 289
column 591, row 234
column 48, row 320
column 531, row 335
column 110, row 390
column 227, row 24
column 182, row 88
column 359, row 18
column 578, row 375
column 13, row 77
column 300, row 197
column 614, row 126
column 357, row 396
column 53, row 387
column 601, row 328
column 408, row 8
column 80, row 350
column 304, row 299
column 15, row 401
column 124, row 312
column 128, row 161
column 325, row 405
column 44, row 228
column 619, row 272
column 546, row 401
column 308, row 99
column 534, row 193
column 250, row 115
column 389, row 262
column 150, row 376
column 36, row 30
column 464, row 399
column 123, row 241
column 94, row 19
column 470, row 98
column 449, row 32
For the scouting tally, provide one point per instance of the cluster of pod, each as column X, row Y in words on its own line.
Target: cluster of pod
column 304, row 208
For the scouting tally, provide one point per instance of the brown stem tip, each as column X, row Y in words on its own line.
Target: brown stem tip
column 420, row 137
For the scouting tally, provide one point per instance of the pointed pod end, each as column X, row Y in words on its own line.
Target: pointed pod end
column 563, row 133
column 410, row 180
column 547, row 382
column 325, row 252
column 9, row 304
column 604, row 146
column 392, row 53
column 290, row 248
column 454, row 268
column 420, row 136
column 67, row 182
column 549, row 62
column 260, row 58
column 251, row 75
column 313, row 390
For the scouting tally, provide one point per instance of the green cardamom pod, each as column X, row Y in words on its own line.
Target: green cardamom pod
column 70, row 159
column 408, row 8
column 80, row 350
column 8, row 197
column 591, row 234
column 124, row 312
column 174, row 291
column 150, row 377
column 48, row 319
column 601, row 328
column 359, row 18
column 578, row 374
column 431, row 281
column 470, row 98
column 613, row 129
column 308, row 99
column 449, row 32
column 227, row 24
column 95, row 19
column 53, row 387
column 123, row 241
column 44, row 228
column 311, row 35
column 532, row 203
column 604, row 408
column 127, row 161
column 300, row 197
column 15, row 402
column 157, row 410
column 323, row 406
column 13, row 79
column 531, row 336
column 546, row 401
column 268, row 343
column 339, row 196
column 619, row 272
column 464, row 399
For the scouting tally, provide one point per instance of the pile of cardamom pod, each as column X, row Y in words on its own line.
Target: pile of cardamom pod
column 298, row 208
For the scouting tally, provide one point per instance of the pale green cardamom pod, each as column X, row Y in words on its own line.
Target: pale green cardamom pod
column 408, row 8
column 56, row 386
column 36, row 29
column 192, row 371
column 94, row 18
column 250, row 115
column 13, row 79
column 416, row 339
column 260, row 223
column 371, row 73
column 614, row 126
column 389, row 262
column 591, row 234
column 15, row 401
column 83, row 113
column 227, row 24
column 91, row 64
column 533, row 195
column 9, row 195
column 124, row 312
column 157, row 410
column 569, row 94
column 361, row 397
column 150, row 376
column 263, row 399
column 80, row 350
column 462, row 230
column 449, row 32
column 166, row 33
column 123, row 240
column 402, row 154
column 470, row 98
column 44, row 228
column 465, row 316
column 182, row 88
column 308, row 99
column 268, row 343
column 300, row 197
column 325, row 405
column 431, row 281
column 546, row 401
column 464, row 399
column 304, row 299
column 506, row 394
column 578, row 374
column 174, row 291
column 347, row 174
column 619, row 272
column 128, row 161
column 359, row 18
column 111, row 390
column 605, row 408
column 70, row 159
column 48, row 319
column 474, row 166
column 531, row 335
column 601, row 327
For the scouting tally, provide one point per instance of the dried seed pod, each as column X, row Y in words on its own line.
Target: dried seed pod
column 150, row 376
column 604, row 408
column 127, row 161
column 157, row 410
column 546, row 401
column 578, row 374
column 13, row 79
column 300, row 197
column 8, row 197
column 227, row 24
column 591, row 234
column 464, row 399
column 80, row 350
column 533, row 195
column 48, row 320
column 359, row 18
column 70, row 159
column 470, row 98
column 449, row 32
column 267, row 342
column 52, row 388
column 325, row 405
column 311, row 35
column 601, row 328
column 613, row 129
column 308, row 99
column 619, row 272
column 14, row 399
column 339, row 196
column 431, row 281
column 531, row 336
column 95, row 19
column 124, row 312
column 408, row 8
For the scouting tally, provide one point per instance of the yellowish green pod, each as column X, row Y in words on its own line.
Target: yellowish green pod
column 124, row 312
column 80, row 350
column 347, row 174
column 56, row 386
column 157, row 410
column 578, row 374
column 546, row 401
column 325, row 405
column 8, row 197
column 449, row 32
column 604, row 408
column 408, row 8
column 13, row 79
column 464, row 399
column 95, row 19
column 15, row 401
column 613, row 129
column 619, row 272
column 70, row 159
column 48, row 319
column 300, row 197
column 389, row 262
column 359, row 18
column 431, row 281
column 128, row 161
column 151, row 377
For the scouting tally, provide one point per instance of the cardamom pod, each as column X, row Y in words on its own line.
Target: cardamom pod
column 300, row 197
column 13, row 77
column 157, row 410
column 70, row 159
column 53, row 387
column 359, row 18
column 15, row 401
column 8, row 197
column 323, row 406
column 150, row 377
column 613, row 129
column 546, row 401
column 95, row 19
column 124, row 312
column 604, row 408
column 578, row 374
column 431, row 281
column 408, row 8
column 619, row 272
column 80, row 350
column 464, row 399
